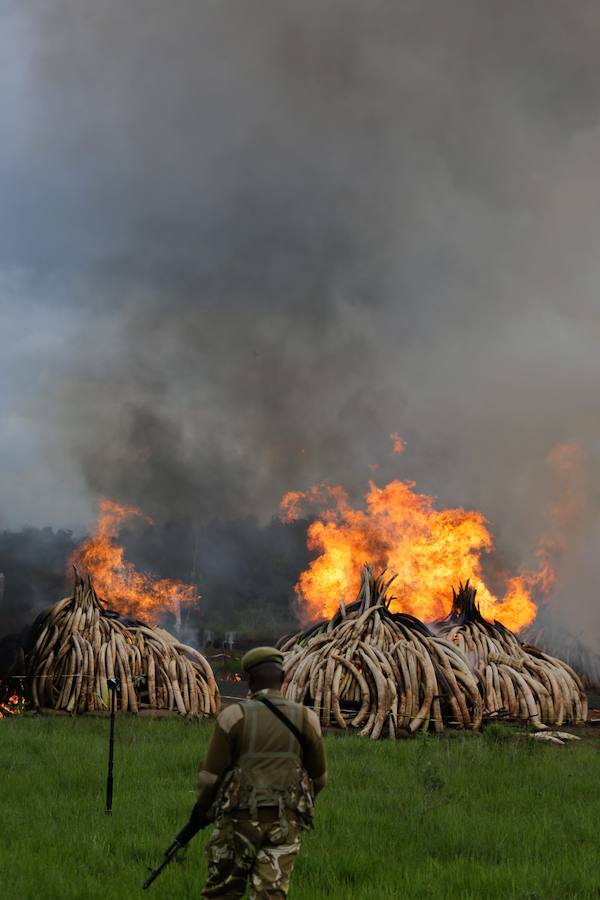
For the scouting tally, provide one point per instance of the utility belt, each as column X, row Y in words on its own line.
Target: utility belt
column 237, row 796
column 266, row 815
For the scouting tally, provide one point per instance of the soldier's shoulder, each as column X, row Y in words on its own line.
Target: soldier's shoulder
column 230, row 716
column 311, row 720
column 296, row 710
column 291, row 704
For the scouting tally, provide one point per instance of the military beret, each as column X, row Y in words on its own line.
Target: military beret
column 259, row 655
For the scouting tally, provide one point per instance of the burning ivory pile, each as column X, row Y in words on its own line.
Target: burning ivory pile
column 518, row 680
column 379, row 672
column 551, row 636
column 81, row 643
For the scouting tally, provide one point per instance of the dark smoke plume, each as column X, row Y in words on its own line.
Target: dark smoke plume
column 243, row 243
column 32, row 574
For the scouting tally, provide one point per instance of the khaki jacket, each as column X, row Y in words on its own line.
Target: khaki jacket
column 254, row 761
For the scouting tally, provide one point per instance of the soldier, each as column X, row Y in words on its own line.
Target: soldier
column 264, row 766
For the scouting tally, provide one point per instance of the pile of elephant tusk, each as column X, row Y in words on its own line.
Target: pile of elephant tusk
column 518, row 681
column 379, row 672
column 552, row 637
column 386, row 673
column 80, row 644
column 368, row 669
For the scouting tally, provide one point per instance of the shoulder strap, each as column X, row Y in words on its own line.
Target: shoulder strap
column 284, row 720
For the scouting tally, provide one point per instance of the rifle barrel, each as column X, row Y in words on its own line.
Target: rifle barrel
column 192, row 827
column 169, row 855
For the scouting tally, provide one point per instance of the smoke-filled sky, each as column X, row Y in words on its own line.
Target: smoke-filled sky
column 241, row 243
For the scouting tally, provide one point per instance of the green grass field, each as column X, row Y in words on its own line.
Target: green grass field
column 462, row 817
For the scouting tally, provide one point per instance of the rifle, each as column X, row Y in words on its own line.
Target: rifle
column 195, row 823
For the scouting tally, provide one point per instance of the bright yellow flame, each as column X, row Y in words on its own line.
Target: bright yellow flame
column 430, row 550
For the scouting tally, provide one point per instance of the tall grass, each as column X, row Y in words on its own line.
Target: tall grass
column 462, row 817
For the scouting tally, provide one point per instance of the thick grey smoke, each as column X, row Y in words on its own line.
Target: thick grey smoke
column 243, row 242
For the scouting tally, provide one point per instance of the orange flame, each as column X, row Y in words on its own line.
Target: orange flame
column 430, row 549
column 398, row 443
column 117, row 580
column 13, row 706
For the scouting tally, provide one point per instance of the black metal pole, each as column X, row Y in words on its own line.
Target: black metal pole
column 113, row 685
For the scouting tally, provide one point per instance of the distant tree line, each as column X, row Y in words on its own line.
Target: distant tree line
column 244, row 571
column 33, row 563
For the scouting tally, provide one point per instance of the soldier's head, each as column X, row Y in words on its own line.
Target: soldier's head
column 263, row 668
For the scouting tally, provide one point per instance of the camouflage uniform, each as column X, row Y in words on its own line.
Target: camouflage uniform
column 250, row 848
column 258, row 785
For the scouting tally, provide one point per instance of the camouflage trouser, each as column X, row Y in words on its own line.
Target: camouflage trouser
column 242, row 848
